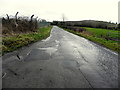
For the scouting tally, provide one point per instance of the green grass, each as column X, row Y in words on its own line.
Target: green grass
column 95, row 37
column 11, row 43
column 104, row 32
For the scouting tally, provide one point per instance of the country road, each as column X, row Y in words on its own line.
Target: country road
column 63, row 60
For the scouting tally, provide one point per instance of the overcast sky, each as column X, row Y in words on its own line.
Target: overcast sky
column 105, row 10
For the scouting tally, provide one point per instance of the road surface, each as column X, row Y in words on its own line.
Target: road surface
column 63, row 60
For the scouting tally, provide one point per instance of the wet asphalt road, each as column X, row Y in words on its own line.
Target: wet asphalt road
column 63, row 60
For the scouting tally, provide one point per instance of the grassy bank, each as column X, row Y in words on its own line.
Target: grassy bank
column 11, row 43
column 104, row 37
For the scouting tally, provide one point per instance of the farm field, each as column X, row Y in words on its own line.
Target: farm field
column 113, row 34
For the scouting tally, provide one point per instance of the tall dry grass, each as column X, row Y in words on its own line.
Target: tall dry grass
column 16, row 25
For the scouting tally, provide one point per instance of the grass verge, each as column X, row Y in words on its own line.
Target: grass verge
column 94, row 34
column 11, row 43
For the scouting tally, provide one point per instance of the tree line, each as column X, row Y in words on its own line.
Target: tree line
column 88, row 23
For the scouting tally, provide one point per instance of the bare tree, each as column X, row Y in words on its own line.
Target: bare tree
column 63, row 17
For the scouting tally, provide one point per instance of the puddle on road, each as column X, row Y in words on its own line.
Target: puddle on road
column 42, row 53
column 49, row 50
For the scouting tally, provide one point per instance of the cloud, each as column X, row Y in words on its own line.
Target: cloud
column 105, row 10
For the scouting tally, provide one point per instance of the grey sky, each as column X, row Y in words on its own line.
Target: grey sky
column 105, row 10
column 119, row 12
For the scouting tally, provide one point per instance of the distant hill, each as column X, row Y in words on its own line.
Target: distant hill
column 88, row 23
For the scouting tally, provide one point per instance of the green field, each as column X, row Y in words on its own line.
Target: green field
column 104, row 32
column 99, row 36
column 11, row 43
